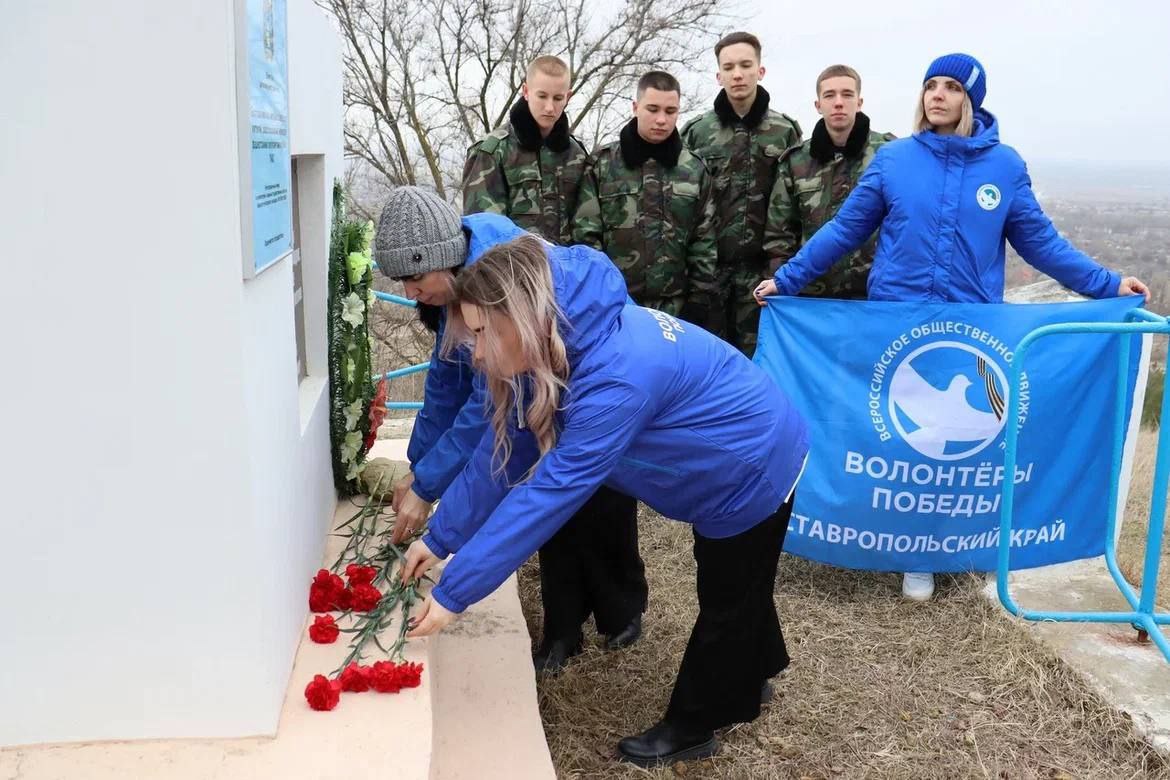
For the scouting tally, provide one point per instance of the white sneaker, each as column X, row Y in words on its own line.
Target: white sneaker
column 918, row 586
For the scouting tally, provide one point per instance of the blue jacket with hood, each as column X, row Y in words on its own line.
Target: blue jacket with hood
column 452, row 420
column 655, row 408
column 945, row 204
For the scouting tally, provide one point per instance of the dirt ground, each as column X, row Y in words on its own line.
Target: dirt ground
column 879, row 687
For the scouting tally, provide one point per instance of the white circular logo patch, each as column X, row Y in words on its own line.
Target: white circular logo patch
column 987, row 196
column 947, row 400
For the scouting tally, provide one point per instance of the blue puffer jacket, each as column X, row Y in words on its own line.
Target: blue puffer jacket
column 452, row 421
column 655, row 407
column 945, row 204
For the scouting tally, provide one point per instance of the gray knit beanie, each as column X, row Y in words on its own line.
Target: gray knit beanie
column 418, row 232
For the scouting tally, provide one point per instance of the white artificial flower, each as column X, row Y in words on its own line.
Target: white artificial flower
column 353, row 413
column 353, row 310
column 351, row 446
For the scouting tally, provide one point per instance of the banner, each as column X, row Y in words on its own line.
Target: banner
column 906, row 404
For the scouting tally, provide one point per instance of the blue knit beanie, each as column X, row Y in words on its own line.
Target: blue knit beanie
column 964, row 69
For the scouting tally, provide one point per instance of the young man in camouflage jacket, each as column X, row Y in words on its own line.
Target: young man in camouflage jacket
column 530, row 168
column 646, row 202
column 817, row 176
column 741, row 141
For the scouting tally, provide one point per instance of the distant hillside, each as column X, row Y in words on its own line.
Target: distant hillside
column 1119, row 215
column 1102, row 182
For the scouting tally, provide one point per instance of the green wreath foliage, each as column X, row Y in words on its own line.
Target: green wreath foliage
column 352, row 425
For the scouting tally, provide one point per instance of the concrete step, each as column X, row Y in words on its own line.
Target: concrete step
column 475, row 714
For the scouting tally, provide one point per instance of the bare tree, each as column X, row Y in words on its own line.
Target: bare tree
column 425, row 78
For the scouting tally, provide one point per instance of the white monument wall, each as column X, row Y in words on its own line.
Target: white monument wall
column 166, row 482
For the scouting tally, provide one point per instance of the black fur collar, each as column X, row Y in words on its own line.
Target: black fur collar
column 529, row 132
column 822, row 149
column 751, row 120
column 636, row 150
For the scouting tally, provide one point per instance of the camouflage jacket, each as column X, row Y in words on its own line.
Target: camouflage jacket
column 532, row 180
column 648, row 206
column 741, row 155
column 815, row 179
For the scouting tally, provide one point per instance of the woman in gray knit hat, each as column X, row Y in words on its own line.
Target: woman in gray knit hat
column 591, row 566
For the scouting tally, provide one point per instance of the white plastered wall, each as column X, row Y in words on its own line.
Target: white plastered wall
column 166, row 483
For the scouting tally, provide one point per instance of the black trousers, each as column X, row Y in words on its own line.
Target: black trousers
column 592, row 566
column 736, row 643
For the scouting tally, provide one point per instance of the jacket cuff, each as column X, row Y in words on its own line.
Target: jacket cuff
column 1114, row 285
column 448, row 603
column 421, row 492
column 781, row 281
column 436, row 548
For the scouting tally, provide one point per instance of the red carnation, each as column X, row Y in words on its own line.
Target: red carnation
column 327, row 579
column 365, row 598
column 410, row 675
column 377, row 411
column 384, row 677
column 324, row 630
column 324, row 593
column 320, row 600
column 360, row 575
column 355, row 678
column 343, row 599
column 323, row 693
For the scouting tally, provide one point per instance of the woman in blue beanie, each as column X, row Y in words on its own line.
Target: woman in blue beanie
column 946, row 199
column 586, row 390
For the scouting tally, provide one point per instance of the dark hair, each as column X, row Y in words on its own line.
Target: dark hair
column 737, row 37
column 659, row 80
column 429, row 316
column 838, row 70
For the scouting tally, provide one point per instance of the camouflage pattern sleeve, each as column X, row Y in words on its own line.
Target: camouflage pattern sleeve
column 586, row 221
column 782, row 229
column 797, row 136
column 688, row 133
column 702, row 275
column 484, row 185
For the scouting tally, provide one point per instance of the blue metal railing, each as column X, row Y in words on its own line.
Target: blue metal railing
column 1142, row 617
column 398, row 372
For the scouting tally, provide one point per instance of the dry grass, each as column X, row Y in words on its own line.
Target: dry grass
column 879, row 687
column 1131, row 544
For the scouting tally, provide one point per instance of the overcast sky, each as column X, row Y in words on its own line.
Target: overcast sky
column 1068, row 80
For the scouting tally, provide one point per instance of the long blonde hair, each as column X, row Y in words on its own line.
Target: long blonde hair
column 966, row 119
column 513, row 281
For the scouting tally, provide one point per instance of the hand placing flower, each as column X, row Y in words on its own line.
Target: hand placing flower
column 432, row 618
column 419, row 559
column 400, row 489
column 412, row 514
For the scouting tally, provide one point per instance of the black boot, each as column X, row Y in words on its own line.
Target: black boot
column 665, row 743
column 552, row 654
column 626, row 637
